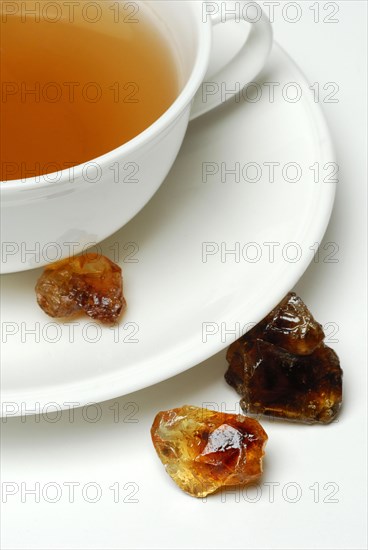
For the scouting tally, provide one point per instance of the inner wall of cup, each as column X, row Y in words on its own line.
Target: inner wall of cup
column 176, row 22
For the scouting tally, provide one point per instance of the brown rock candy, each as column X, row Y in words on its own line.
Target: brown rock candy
column 291, row 326
column 297, row 387
column 90, row 283
column 203, row 450
column 274, row 380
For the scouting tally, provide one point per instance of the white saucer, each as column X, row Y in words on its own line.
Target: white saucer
column 171, row 292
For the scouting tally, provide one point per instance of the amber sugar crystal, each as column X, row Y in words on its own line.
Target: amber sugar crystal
column 90, row 284
column 291, row 326
column 282, row 368
column 203, row 450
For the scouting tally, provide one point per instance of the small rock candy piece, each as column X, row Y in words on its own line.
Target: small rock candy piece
column 90, row 283
column 203, row 450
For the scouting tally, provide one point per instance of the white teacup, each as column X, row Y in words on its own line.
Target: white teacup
column 48, row 218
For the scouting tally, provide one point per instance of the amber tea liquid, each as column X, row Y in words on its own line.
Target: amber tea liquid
column 76, row 84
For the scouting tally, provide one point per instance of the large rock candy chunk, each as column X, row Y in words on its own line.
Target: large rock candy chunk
column 282, row 368
column 203, row 450
column 291, row 326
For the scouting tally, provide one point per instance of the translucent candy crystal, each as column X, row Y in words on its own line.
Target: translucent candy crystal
column 90, row 283
column 203, row 450
column 282, row 368
column 291, row 326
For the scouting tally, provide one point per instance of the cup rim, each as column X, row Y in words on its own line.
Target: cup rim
column 204, row 29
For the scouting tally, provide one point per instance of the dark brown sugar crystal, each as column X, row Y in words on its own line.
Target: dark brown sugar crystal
column 90, row 284
column 204, row 450
column 281, row 368
column 291, row 326
column 297, row 387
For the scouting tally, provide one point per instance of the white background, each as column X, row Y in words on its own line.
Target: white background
column 330, row 459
